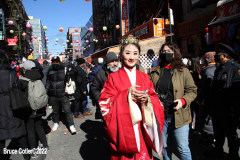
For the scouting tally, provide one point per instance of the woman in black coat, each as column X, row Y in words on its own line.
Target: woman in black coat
column 34, row 120
column 10, row 126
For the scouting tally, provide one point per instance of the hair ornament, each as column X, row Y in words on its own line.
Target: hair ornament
column 129, row 40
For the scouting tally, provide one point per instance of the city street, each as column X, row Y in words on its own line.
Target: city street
column 90, row 143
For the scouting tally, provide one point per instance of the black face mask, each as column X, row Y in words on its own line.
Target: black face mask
column 217, row 58
column 55, row 66
column 166, row 57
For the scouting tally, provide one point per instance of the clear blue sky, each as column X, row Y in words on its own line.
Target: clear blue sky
column 55, row 14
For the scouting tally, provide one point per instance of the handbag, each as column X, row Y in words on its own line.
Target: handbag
column 70, row 85
column 18, row 99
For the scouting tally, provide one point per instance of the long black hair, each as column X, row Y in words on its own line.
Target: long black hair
column 4, row 61
column 195, row 63
column 177, row 61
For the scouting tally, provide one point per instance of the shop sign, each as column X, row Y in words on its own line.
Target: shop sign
column 12, row 41
column 142, row 31
column 161, row 27
column 124, row 17
column 228, row 9
column 156, row 27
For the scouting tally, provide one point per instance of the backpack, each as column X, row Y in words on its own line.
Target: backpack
column 70, row 84
column 37, row 95
column 18, row 100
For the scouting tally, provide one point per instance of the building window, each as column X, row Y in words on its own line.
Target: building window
column 75, row 37
column 75, row 44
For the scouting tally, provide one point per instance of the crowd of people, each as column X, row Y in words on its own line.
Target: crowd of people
column 142, row 110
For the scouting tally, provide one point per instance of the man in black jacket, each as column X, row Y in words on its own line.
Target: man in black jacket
column 225, row 111
column 112, row 65
column 81, row 90
column 55, row 86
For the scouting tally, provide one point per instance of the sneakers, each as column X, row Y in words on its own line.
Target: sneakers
column 55, row 126
column 72, row 129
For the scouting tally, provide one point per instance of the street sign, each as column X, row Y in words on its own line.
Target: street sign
column 12, row 41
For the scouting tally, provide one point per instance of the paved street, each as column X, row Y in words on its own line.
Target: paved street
column 90, row 142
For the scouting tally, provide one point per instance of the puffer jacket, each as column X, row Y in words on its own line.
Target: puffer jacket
column 56, row 82
column 183, row 87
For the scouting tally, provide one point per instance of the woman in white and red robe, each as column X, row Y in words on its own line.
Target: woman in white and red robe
column 133, row 115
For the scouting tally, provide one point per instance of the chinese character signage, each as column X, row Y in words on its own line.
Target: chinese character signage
column 124, row 16
column 228, row 9
column 12, row 41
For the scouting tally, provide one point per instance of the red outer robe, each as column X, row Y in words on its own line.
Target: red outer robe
column 117, row 119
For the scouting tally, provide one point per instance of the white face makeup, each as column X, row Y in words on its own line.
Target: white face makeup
column 130, row 55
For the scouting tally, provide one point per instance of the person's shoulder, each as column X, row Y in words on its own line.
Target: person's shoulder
column 235, row 65
column 100, row 72
column 154, row 69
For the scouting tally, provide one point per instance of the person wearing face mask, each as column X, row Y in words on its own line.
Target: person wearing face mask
column 112, row 65
column 176, row 90
column 132, row 113
column 225, row 102
column 55, row 86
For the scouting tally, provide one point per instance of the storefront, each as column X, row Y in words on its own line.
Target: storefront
column 225, row 28
column 151, row 36
column 191, row 35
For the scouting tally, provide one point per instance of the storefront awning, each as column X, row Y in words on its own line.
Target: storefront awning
column 226, row 19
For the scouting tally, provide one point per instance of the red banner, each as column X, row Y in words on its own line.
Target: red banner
column 124, row 16
column 228, row 9
column 12, row 41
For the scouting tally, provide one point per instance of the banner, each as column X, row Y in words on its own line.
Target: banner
column 12, row 41
column 124, row 16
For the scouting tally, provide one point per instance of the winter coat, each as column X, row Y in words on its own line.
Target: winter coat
column 92, row 73
column 206, row 82
column 98, row 81
column 225, row 86
column 99, row 66
column 10, row 125
column 56, row 82
column 81, row 83
column 22, row 85
column 183, row 87
column 38, row 66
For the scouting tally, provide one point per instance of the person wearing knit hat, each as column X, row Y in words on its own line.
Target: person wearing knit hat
column 38, row 65
column 110, row 57
column 30, row 57
column 28, row 65
column 81, row 61
column 225, row 102
column 81, row 90
column 112, row 65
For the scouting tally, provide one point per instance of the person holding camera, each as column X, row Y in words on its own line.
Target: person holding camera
column 176, row 90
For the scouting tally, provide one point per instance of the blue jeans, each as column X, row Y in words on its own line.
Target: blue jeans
column 88, row 87
column 177, row 137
